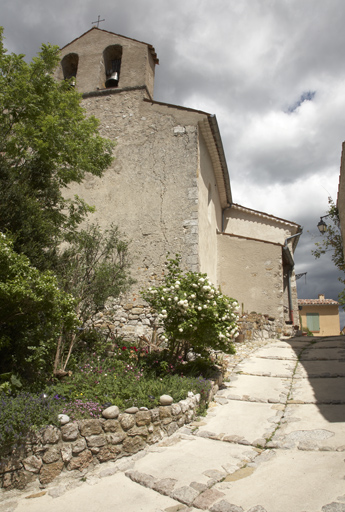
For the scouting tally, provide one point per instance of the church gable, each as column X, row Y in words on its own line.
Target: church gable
column 100, row 60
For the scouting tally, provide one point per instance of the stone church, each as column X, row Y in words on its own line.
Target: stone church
column 168, row 188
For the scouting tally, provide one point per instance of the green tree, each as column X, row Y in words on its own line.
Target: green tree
column 332, row 243
column 46, row 143
column 332, row 240
column 93, row 268
column 33, row 311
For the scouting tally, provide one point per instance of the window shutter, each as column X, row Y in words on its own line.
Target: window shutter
column 313, row 321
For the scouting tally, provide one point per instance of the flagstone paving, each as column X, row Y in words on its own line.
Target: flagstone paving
column 319, row 390
column 272, row 441
column 322, row 368
column 268, row 367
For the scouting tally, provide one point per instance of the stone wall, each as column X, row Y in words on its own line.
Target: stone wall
column 134, row 321
column 79, row 445
column 255, row 326
column 128, row 319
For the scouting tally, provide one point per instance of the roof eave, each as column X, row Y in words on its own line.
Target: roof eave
column 211, row 134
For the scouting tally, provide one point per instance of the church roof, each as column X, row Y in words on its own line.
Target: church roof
column 151, row 48
column 264, row 215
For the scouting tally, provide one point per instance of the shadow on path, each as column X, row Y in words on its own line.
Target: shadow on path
column 320, row 374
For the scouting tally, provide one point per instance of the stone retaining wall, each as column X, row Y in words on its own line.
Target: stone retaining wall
column 255, row 326
column 129, row 320
column 79, row 445
column 138, row 320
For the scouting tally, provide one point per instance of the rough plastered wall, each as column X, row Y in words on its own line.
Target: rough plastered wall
column 294, row 298
column 248, row 224
column 210, row 214
column 251, row 272
column 328, row 319
column 137, row 63
column 151, row 189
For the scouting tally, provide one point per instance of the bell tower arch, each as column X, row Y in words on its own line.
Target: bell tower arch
column 112, row 56
column 101, row 60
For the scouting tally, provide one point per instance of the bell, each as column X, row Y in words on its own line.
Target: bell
column 113, row 80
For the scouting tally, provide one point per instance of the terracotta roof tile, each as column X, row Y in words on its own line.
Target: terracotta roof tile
column 317, row 302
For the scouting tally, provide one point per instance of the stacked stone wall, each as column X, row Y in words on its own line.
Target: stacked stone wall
column 138, row 321
column 127, row 319
column 254, row 326
column 80, row 445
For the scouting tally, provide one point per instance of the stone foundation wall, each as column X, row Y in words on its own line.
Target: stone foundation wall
column 82, row 444
column 255, row 326
column 133, row 321
column 128, row 319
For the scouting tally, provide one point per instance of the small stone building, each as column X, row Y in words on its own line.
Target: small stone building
column 168, row 188
column 320, row 316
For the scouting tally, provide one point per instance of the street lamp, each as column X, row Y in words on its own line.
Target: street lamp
column 322, row 226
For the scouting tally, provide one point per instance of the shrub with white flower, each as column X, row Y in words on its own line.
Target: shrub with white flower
column 193, row 312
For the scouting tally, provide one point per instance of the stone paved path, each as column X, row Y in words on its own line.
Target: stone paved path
column 273, row 441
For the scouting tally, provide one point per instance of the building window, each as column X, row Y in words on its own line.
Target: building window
column 313, row 322
column 69, row 66
column 112, row 56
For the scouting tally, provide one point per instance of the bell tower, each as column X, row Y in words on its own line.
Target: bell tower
column 100, row 60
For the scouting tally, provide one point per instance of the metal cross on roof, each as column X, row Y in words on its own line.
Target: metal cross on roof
column 98, row 21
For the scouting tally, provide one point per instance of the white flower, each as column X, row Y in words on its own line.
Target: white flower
column 164, row 311
column 199, row 308
column 201, row 280
column 205, row 306
column 175, row 299
column 177, row 282
column 180, row 329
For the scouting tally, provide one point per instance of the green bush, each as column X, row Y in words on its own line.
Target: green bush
column 111, row 381
column 24, row 414
column 193, row 312
column 33, row 311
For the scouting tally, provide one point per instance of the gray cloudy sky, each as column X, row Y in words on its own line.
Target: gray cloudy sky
column 273, row 72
